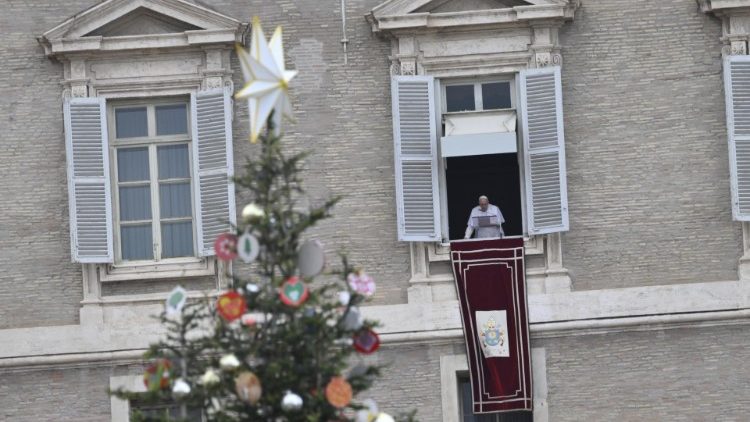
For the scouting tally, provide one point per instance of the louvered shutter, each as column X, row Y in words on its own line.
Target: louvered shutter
column 737, row 93
column 89, row 195
column 415, row 149
column 544, row 150
column 212, row 166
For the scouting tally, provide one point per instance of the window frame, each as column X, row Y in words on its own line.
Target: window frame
column 478, row 99
column 441, row 106
column 151, row 142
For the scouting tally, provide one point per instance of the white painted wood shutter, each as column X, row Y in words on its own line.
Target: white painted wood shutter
column 544, row 150
column 213, row 166
column 737, row 93
column 415, row 150
column 89, row 195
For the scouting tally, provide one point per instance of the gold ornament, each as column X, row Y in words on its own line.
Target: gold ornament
column 248, row 387
column 252, row 212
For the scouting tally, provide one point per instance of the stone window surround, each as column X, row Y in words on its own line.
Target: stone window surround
column 735, row 34
column 158, row 65
column 396, row 20
column 453, row 365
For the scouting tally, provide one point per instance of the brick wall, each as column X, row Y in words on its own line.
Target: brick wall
column 648, row 173
column 38, row 283
column 690, row 374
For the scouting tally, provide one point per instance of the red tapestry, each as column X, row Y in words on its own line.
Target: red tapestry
column 492, row 293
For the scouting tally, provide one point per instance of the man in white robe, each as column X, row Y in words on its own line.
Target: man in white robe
column 486, row 219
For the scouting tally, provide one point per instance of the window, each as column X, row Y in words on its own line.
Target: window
column 163, row 411
column 479, row 154
column 479, row 132
column 152, row 186
column 477, row 96
column 467, row 414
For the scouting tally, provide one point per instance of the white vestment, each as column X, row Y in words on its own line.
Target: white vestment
column 496, row 217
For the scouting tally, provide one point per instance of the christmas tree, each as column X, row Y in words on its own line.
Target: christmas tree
column 280, row 344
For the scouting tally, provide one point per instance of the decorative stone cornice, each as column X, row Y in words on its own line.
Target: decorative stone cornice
column 719, row 7
column 403, row 15
column 75, row 34
column 735, row 23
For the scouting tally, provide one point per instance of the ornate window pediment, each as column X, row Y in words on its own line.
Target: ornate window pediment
column 396, row 15
column 133, row 24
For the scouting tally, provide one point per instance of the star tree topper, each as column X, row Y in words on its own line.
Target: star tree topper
column 266, row 80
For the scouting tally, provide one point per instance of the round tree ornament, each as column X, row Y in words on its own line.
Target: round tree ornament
column 248, row 388
column 157, row 375
column 180, row 389
column 231, row 305
column 291, row 402
column 361, row 283
column 293, row 292
column 366, row 341
column 210, row 377
column 229, row 362
column 226, row 246
column 339, row 392
column 252, row 212
column 248, row 248
column 353, row 319
column 311, row 258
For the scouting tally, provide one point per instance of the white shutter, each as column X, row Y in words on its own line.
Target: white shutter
column 89, row 193
column 737, row 93
column 544, row 150
column 213, row 166
column 415, row 149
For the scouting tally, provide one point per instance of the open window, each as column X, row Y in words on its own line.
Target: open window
column 479, row 153
column 500, row 137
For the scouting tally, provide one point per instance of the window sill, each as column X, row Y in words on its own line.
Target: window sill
column 533, row 245
column 173, row 268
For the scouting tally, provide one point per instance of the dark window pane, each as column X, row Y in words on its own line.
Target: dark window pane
column 137, row 242
column 173, row 161
column 131, row 122
column 135, row 203
column 177, row 239
column 175, row 200
column 459, row 97
column 171, row 119
column 132, row 164
column 496, row 95
column 163, row 412
column 467, row 413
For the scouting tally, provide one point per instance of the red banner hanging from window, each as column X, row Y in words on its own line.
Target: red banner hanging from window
column 491, row 290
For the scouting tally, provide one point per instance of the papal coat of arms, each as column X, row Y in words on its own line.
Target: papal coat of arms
column 492, row 327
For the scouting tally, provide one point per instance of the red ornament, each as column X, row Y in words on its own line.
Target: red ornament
column 157, row 375
column 293, row 292
column 231, row 305
column 226, row 246
column 366, row 341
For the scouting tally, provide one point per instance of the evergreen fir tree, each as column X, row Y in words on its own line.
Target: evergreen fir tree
column 301, row 356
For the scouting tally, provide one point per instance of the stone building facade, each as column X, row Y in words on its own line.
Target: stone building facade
column 637, row 309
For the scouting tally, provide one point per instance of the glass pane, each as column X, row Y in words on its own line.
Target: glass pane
column 171, row 119
column 131, row 122
column 173, row 161
column 496, row 95
column 135, row 203
column 459, row 97
column 177, row 239
column 137, row 242
column 132, row 164
column 174, row 200
column 467, row 413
